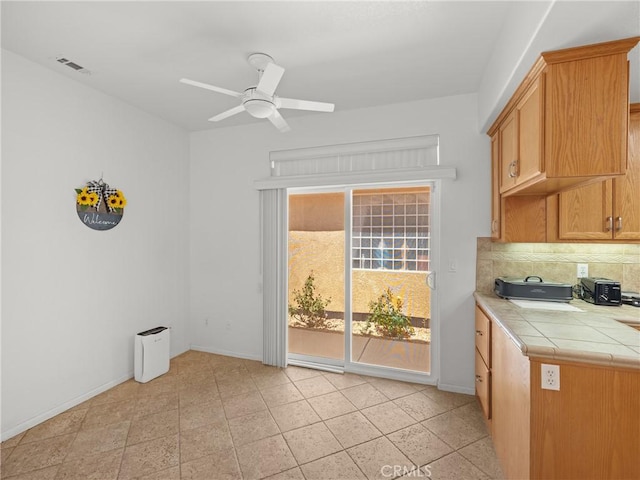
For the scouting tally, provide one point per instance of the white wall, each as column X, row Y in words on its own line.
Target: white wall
column 536, row 27
column 225, row 266
column 72, row 297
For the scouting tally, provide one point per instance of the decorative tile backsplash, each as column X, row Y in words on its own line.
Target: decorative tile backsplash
column 557, row 262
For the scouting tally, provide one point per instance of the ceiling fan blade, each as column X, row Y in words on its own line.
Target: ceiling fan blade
column 211, row 87
column 270, row 79
column 228, row 113
column 304, row 105
column 279, row 122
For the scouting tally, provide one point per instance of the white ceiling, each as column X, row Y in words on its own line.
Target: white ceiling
column 354, row 54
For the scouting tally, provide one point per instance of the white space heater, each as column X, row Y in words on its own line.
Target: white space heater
column 151, row 354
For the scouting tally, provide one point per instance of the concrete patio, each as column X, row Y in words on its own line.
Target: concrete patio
column 410, row 355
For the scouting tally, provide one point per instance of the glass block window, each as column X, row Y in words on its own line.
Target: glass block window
column 391, row 230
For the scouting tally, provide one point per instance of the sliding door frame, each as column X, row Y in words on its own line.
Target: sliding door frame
column 348, row 365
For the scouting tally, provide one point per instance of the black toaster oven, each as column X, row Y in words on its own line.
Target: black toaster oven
column 600, row 291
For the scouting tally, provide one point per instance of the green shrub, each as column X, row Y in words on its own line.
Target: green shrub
column 386, row 316
column 309, row 309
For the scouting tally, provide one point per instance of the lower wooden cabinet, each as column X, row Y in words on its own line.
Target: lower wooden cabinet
column 483, row 361
column 483, row 336
column 589, row 429
column 483, row 385
column 511, row 405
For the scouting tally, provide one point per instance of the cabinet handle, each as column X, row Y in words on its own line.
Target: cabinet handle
column 512, row 169
column 609, row 225
column 478, row 379
column 479, row 333
column 619, row 223
column 494, row 226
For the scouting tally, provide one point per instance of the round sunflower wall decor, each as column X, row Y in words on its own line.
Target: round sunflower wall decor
column 99, row 206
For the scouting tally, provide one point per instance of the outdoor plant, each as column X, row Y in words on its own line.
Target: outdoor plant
column 309, row 309
column 385, row 315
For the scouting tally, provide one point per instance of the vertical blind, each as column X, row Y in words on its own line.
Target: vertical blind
column 273, row 206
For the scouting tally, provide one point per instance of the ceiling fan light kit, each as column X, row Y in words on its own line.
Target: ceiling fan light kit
column 257, row 104
column 260, row 101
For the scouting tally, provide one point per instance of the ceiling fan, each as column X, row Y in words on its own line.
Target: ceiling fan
column 260, row 101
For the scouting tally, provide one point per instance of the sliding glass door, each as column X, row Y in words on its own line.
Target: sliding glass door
column 390, row 299
column 316, row 277
column 359, row 261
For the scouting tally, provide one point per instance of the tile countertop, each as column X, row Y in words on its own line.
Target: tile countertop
column 594, row 335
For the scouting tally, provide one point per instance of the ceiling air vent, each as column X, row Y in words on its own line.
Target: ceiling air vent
column 75, row 66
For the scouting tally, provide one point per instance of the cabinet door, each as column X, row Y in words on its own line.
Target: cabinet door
column 508, row 151
column 586, row 116
column 585, row 213
column 510, row 405
column 495, row 187
column 530, row 118
column 483, row 336
column 626, row 190
column 483, row 385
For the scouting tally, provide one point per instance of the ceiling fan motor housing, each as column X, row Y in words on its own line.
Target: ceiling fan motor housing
column 258, row 104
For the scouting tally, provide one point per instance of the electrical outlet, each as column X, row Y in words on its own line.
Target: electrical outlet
column 453, row 265
column 550, row 377
column 206, row 322
column 583, row 270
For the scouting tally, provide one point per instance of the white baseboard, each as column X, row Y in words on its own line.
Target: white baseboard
column 456, row 389
column 32, row 422
column 227, row 353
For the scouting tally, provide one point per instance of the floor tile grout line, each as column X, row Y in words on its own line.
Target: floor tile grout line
column 469, row 460
column 246, row 372
column 356, row 444
column 179, row 432
column 235, row 448
column 354, row 460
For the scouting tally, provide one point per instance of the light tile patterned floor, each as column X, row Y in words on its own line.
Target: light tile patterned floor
column 213, row 417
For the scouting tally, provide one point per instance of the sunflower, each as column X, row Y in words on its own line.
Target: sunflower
column 84, row 197
column 92, row 198
column 397, row 302
column 113, row 201
column 122, row 200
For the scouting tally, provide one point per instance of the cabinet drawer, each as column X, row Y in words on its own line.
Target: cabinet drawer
column 483, row 386
column 483, row 336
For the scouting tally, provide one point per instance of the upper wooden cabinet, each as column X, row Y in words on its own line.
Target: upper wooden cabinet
column 508, row 148
column 495, row 188
column 521, row 140
column 606, row 210
column 567, row 122
column 626, row 190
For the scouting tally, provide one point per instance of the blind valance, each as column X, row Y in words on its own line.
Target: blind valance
column 396, row 160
